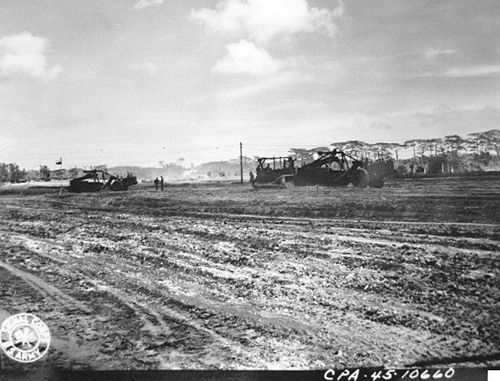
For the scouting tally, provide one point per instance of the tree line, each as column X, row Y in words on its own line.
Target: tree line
column 479, row 143
column 449, row 148
column 10, row 172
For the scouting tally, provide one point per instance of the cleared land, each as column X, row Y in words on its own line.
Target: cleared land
column 223, row 276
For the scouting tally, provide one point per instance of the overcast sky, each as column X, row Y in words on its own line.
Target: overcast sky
column 136, row 82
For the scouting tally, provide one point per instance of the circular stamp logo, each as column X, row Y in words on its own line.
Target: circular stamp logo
column 24, row 337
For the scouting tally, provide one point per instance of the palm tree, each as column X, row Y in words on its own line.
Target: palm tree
column 355, row 148
column 412, row 143
column 396, row 147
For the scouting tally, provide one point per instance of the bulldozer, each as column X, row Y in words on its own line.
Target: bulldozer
column 96, row 180
column 337, row 168
column 282, row 170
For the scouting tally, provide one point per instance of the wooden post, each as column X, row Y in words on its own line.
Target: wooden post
column 241, row 163
column 60, row 175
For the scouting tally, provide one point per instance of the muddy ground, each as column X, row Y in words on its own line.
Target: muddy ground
column 222, row 276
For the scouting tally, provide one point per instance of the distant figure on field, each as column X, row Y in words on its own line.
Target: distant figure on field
column 156, row 183
column 161, row 182
column 251, row 177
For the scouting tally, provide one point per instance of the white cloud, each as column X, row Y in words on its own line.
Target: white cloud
column 473, row 71
column 432, row 53
column 256, row 23
column 147, row 66
column 262, row 20
column 147, row 3
column 246, row 58
column 24, row 54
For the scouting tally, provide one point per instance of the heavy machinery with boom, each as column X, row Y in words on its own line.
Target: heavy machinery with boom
column 333, row 168
column 337, row 168
column 96, row 180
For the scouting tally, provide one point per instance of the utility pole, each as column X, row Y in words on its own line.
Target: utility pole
column 241, row 163
column 60, row 174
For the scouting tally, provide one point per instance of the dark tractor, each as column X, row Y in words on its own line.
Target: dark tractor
column 338, row 169
column 96, row 180
column 282, row 170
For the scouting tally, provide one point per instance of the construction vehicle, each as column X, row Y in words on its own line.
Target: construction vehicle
column 336, row 168
column 282, row 170
column 96, row 180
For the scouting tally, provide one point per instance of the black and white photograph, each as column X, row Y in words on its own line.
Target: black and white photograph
column 250, row 186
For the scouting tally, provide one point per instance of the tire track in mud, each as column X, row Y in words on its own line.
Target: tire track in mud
column 247, row 314
column 347, row 239
column 49, row 291
column 151, row 317
column 340, row 244
column 139, row 301
column 46, row 289
column 208, row 305
column 353, row 222
column 413, row 245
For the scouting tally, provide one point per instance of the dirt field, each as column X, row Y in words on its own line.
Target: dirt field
column 223, row 276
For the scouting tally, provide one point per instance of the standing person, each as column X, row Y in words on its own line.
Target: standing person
column 156, row 183
column 161, row 182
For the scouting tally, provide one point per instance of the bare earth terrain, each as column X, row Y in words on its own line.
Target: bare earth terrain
column 223, row 276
